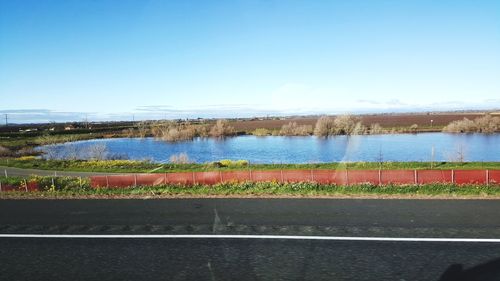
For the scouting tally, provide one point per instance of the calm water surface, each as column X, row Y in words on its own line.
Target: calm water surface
column 401, row 147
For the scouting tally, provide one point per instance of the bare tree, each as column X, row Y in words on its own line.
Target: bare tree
column 359, row 129
column 222, row 129
column 325, row 126
column 414, row 128
column 70, row 152
column 293, row 129
column 486, row 124
column 51, row 152
column 376, row 129
column 96, row 152
column 143, row 128
column 345, row 124
column 460, row 153
column 457, row 155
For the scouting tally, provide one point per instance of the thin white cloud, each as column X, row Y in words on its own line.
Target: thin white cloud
column 152, row 112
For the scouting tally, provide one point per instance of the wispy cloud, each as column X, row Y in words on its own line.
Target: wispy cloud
column 150, row 112
column 42, row 115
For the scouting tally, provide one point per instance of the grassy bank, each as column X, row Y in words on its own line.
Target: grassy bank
column 128, row 166
column 77, row 188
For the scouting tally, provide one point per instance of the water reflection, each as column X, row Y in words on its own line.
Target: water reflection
column 402, row 147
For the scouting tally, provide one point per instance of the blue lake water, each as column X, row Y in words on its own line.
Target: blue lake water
column 399, row 147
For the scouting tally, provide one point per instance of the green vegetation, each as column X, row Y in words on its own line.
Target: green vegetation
column 76, row 187
column 21, row 141
column 129, row 166
column 46, row 183
column 262, row 132
column 232, row 163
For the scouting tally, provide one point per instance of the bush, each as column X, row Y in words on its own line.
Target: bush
column 26, row 151
column 376, row 129
column 202, row 131
column 341, row 125
column 222, row 129
column 345, row 124
column 26, row 158
column 179, row 134
column 486, row 124
column 143, row 128
column 261, row 132
column 5, row 152
column 325, row 126
column 359, row 129
column 232, row 163
column 129, row 133
column 170, row 131
column 293, row 129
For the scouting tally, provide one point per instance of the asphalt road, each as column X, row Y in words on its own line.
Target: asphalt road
column 249, row 259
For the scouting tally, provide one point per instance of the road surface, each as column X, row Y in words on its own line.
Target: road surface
column 115, row 241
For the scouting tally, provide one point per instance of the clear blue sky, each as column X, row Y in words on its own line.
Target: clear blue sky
column 61, row 60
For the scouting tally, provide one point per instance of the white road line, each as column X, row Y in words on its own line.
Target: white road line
column 217, row 236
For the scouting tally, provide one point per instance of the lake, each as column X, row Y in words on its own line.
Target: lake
column 277, row 149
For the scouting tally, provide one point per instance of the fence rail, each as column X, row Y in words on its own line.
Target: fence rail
column 339, row 177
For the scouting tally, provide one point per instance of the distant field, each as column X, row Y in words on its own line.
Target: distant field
column 385, row 120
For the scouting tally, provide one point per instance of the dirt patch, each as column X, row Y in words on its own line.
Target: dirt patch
column 385, row 120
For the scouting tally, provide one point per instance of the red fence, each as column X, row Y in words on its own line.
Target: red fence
column 339, row 177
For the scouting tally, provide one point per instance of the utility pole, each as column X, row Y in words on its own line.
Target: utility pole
column 6, row 120
column 86, row 120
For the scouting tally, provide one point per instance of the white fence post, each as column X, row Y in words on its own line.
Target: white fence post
column 452, row 176
column 487, row 177
column 347, row 176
